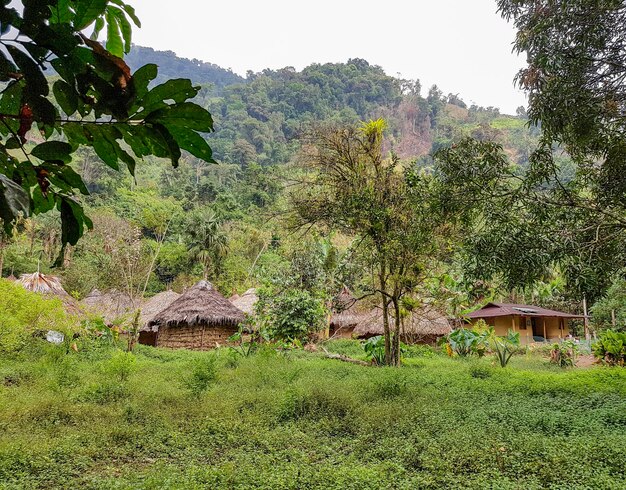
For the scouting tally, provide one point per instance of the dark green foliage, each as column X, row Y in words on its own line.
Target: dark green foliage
column 202, row 374
column 117, row 109
column 291, row 314
column 171, row 66
column 611, row 348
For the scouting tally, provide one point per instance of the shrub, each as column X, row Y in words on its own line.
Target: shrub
column 564, row 354
column 202, row 375
column 464, row 342
column 374, row 347
column 23, row 313
column 480, row 372
column 611, row 348
column 503, row 347
column 292, row 314
column 120, row 365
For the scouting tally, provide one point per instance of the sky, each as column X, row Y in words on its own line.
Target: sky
column 463, row 46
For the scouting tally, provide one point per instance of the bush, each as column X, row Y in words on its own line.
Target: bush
column 293, row 314
column 120, row 365
column 504, row 347
column 611, row 348
column 23, row 313
column 564, row 354
column 202, row 374
column 464, row 342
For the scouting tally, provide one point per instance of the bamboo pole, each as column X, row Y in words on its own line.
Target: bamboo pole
column 545, row 335
column 513, row 322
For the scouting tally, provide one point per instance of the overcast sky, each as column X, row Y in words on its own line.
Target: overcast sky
column 461, row 45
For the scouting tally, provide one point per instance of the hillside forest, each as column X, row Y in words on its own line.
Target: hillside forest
column 165, row 228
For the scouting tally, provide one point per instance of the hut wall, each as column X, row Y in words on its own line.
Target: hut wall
column 341, row 332
column 195, row 337
column 503, row 324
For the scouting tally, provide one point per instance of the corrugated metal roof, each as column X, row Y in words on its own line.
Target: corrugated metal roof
column 491, row 310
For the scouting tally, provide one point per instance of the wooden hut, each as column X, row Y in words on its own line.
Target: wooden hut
column 149, row 310
column 201, row 318
column 246, row 301
column 50, row 286
column 424, row 325
column 532, row 322
column 112, row 305
column 347, row 313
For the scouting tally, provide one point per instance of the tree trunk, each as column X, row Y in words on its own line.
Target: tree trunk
column 383, row 286
column 396, row 336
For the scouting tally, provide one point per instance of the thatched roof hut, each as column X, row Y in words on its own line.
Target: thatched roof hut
column 246, row 301
column 347, row 314
column 111, row 305
column 49, row 286
column 423, row 325
column 200, row 318
column 155, row 305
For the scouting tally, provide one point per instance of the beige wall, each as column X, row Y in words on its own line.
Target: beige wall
column 195, row 337
column 503, row 324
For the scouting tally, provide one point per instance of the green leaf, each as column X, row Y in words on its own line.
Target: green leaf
column 35, row 79
column 65, row 178
column 142, row 78
column 191, row 141
column 129, row 10
column 173, row 150
column 87, row 11
column 66, row 97
column 125, row 27
column 103, row 146
column 186, row 115
column 6, row 67
column 53, row 151
column 114, row 38
column 14, row 201
column 73, row 220
column 178, row 90
column 97, row 29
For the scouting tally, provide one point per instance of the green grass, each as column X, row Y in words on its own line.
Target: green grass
column 99, row 420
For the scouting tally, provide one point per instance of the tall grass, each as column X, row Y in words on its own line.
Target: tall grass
column 178, row 419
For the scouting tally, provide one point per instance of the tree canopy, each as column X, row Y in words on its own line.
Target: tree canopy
column 96, row 101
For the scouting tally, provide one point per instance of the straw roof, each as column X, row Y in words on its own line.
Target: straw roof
column 156, row 305
column 200, row 305
column 111, row 305
column 347, row 311
column 50, row 286
column 246, row 301
column 422, row 323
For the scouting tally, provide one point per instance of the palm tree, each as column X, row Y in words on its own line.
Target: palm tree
column 208, row 243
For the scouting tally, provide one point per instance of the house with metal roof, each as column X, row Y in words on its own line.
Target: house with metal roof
column 532, row 322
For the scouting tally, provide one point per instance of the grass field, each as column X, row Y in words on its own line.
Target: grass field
column 161, row 419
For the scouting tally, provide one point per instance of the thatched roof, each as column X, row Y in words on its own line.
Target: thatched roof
column 347, row 311
column 422, row 323
column 200, row 305
column 51, row 286
column 246, row 301
column 112, row 305
column 156, row 305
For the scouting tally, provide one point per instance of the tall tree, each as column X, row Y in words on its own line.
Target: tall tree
column 350, row 186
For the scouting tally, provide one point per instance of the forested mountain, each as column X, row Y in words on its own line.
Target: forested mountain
column 171, row 214
column 172, row 66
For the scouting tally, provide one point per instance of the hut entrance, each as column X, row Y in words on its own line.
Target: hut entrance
column 148, row 338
